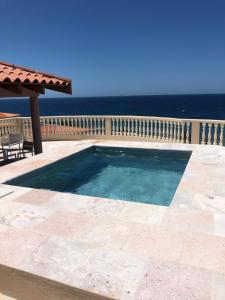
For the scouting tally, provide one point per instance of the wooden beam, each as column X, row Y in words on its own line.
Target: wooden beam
column 4, row 93
column 35, row 87
column 11, row 87
column 67, row 89
column 36, row 126
column 7, row 90
column 28, row 93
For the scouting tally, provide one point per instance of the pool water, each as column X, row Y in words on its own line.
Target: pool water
column 139, row 175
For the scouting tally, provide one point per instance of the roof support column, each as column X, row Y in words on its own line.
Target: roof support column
column 36, row 126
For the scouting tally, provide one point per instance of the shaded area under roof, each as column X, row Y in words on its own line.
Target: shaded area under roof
column 18, row 81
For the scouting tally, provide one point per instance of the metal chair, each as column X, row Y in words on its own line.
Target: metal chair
column 5, row 153
column 27, row 147
column 15, row 139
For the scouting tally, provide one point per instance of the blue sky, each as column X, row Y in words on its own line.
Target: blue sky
column 119, row 47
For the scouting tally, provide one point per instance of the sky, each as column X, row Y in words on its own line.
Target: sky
column 119, row 47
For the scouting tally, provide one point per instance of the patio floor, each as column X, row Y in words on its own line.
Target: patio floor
column 63, row 246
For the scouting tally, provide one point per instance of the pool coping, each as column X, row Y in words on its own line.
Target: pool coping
column 200, row 193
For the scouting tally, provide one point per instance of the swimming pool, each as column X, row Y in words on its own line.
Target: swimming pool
column 132, row 174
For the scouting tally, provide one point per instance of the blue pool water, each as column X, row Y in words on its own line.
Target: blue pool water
column 139, row 175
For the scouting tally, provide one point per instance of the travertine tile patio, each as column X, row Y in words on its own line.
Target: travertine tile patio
column 116, row 249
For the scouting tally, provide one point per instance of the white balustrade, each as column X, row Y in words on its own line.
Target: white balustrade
column 210, row 132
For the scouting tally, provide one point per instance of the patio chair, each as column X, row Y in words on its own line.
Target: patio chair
column 27, row 147
column 5, row 154
column 15, row 139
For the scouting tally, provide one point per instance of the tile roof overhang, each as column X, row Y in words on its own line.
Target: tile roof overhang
column 4, row 115
column 16, row 80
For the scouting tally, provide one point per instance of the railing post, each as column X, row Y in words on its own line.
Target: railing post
column 108, row 126
column 195, row 132
column 19, row 125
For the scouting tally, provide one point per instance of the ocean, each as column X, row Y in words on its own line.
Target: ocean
column 180, row 106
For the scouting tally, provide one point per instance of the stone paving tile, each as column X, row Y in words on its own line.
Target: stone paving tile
column 8, row 207
column 188, row 220
column 17, row 191
column 113, row 273
column 204, row 251
column 57, row 258
column 169, row 281
column 64, row 224
column 5, row 191
column 36, row 197
column 209, row 202
column 142, row 213
column 219, row 287
column 3, row 227
column 101, row 206
column 18, row 246
column 86, row 205
column 219, row 189
column 106, row 232
column 66, row 202
column 25, row 216
column 219, row 224
column 154, row 241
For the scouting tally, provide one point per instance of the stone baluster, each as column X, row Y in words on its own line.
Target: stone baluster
column 182, row 132
column 178, row 132
column 150, row 129
column 120, row 126
column 153, row 129
column 215, row 136
column 69, row 129
column 147, row 128
column 113, row 126
column 174, row 131
column 167, row 131
column 171, row 131
column 59, row 126
column 75, row 125
column 143, row 128
column 104, row 126
column 99, row 127
column 132, row 127
column 188, row 133
column 116, row 127
column 64, row 126
column 203, row 141
column 136, row 127
column 221, row 134
column 47, row 127
column 125, row 127
column 209, row 134
column 78, row 126
column 43, row 124
column 159, row 130
column 72, row 125
column 82, row 125
column 163, row 130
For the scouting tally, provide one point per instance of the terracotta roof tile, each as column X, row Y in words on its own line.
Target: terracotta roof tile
column 12, row 73
column 4, row 115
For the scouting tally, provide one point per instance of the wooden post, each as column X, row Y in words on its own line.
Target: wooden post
column 36, row 127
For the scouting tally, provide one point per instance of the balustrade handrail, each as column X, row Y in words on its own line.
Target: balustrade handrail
column 128, row 117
